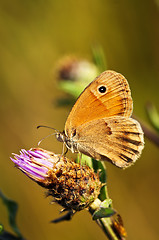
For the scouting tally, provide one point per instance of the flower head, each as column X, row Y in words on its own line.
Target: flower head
column 70, row 184
column 35, row 163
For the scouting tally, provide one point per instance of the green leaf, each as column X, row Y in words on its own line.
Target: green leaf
column 72, row 88
column 12, row 208
column 1, row 228
column 103, row 213
column 84, row 160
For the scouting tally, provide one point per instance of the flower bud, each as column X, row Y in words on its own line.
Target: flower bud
column 71, row 185
column 74, row 69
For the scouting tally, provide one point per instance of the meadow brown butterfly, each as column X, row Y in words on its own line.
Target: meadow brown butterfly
column 100, row 124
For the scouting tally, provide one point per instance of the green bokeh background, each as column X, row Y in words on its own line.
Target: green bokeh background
column 34, row 35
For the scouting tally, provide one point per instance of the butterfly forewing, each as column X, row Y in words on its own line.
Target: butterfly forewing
column 93, row 104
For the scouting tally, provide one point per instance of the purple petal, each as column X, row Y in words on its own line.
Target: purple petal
column 43, row 162
column 33, row 174
column 38, row 154
column 34, row 163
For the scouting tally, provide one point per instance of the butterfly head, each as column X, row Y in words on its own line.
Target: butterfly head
column 60, row 136
column 68, row 141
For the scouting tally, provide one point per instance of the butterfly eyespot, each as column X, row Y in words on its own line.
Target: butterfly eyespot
column 102, row 89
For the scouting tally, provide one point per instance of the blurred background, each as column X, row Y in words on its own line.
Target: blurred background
column 34, row 36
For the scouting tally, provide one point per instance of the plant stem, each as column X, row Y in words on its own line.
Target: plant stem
column 150, row 134
column 104, row 223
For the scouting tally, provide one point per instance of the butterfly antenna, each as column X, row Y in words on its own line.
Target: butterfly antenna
column 56, row 131
column 45, row 138
column 47, row 127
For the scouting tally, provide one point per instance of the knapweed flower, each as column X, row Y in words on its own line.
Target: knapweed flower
column 71, row 185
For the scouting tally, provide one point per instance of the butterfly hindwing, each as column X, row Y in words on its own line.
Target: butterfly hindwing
column 115, row 139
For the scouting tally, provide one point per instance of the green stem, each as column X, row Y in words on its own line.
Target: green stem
column 104, row 223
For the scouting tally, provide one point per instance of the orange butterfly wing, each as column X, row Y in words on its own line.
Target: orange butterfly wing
column 93, row 104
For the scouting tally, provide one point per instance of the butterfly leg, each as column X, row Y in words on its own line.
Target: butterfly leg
column 66, row 150
column 63, row 152
column 80, row 161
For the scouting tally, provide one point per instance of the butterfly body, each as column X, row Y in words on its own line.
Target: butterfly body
column 100, row 124
column 70, row 142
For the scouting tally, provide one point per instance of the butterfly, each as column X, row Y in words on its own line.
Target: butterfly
column 100, row 124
